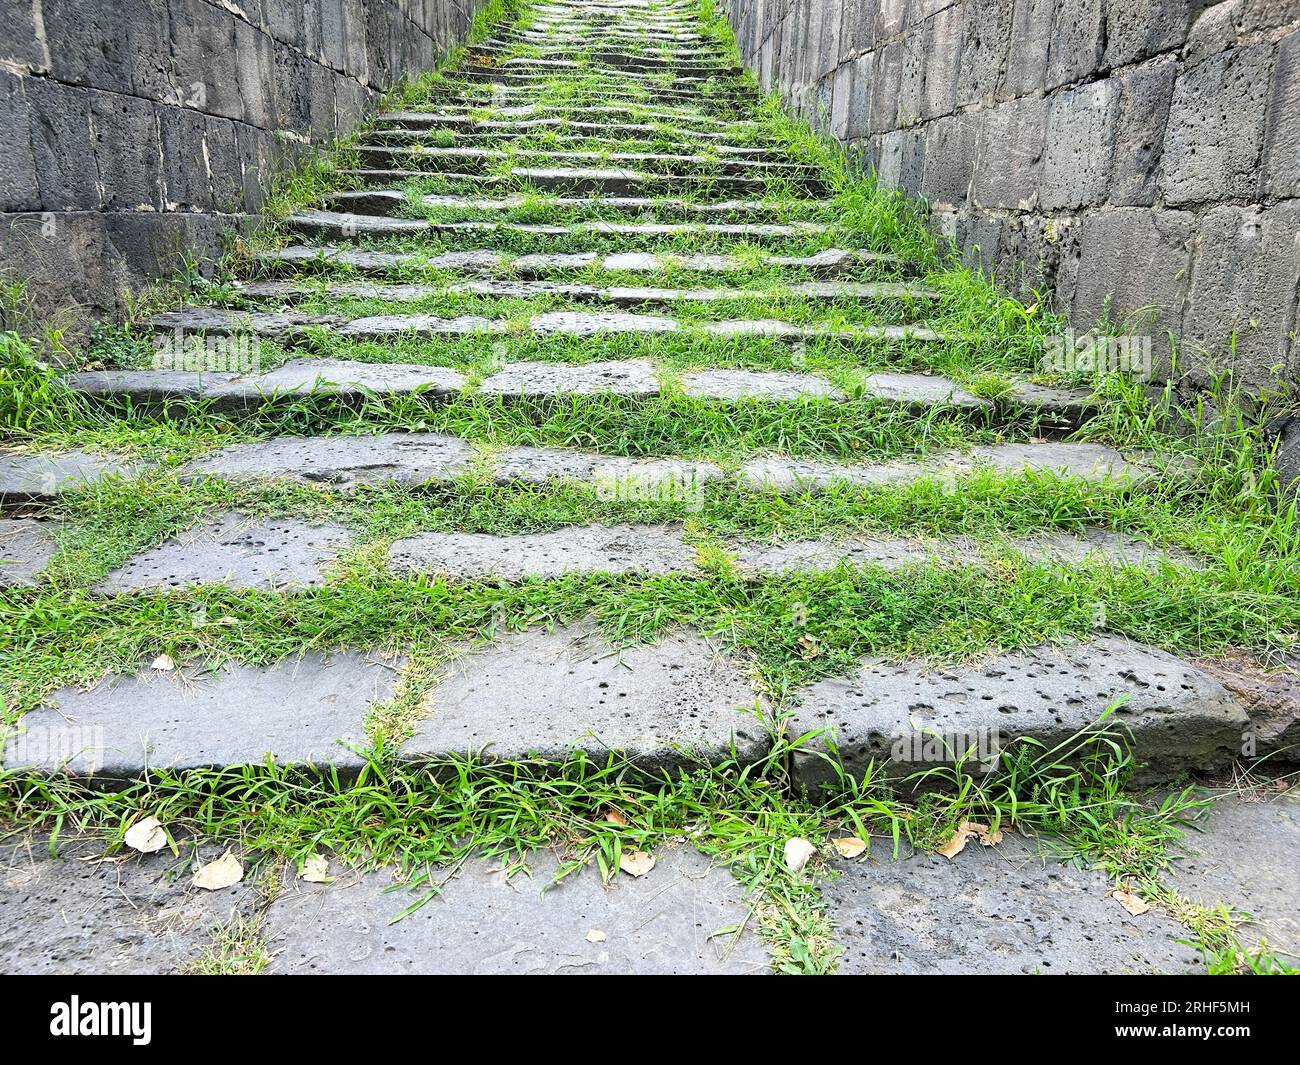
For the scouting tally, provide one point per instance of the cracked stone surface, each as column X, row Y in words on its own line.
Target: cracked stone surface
column 483, row 922
column 1007, row 909
column 304, row 710
column 26, row 547
column 620, row 549
column 630, row 377
column 76, row 915
column 343, row 462
column 235, row 550
column 1089, row 461
column 553, row 692
column 44, row 477
column 1177, row 714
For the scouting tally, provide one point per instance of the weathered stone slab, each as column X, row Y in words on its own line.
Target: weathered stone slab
column 919, row 390
column 618, row 549
column 76, row 915
column 538, row 380
column 779, row 385
column 26, row 547
column 483, row 922
column 1178, row 716
column 1245, row 853
column 1089, row 461
column 551, row 693
column 615, row 476
column 44, row 477
column 1007, row 909
column 235, row 550
column 342, row 462
column 298, row 711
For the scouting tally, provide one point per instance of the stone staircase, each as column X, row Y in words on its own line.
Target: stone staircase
column 694, row 215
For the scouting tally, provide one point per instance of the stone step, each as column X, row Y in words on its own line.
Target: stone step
column 293, row 325
column 622, row 296
column 417, row 459
column 465, row 125
column 906, row 718
column 43, row 477
column 470, row 160
column 387, row 201
column 833, row 262
column 346, row 225
column 452, row 112
column 548, row 73
column 609, row 55
column 577, row 179
column 478, row 96
column 561, row 132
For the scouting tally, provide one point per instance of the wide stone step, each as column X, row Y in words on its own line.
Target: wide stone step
column 657, row 111
column 576, row 179
column 477, row 96
column 907, row 718
column 546, row 74
column 833, row 262
column 566, row 134
column 336, row 225
column 290, row 325
column 464, row 124
column 416, row 459
column 386, row 201
column 611, row 55
column 26, row 548
column 659, row 163
column 623, row 296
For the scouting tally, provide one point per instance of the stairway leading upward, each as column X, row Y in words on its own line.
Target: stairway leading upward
column 586, row 347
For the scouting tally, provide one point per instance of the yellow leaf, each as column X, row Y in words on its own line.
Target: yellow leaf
column 636, row 862
column 849, row 846
column 1125, row 897
column 614, row 817
column 965, row 831
column 146, row 836
column 163, row 663
column 315, row 870
column 225, row 872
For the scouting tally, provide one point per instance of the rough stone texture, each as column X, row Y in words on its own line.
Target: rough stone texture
column 1178, row 716
column 1148, row 151
column 1271, row 697
column 74, row 915
column 1007, row 910
column 550, row 693
column 1090, row 461
column 757, row 384
column 1245, row 853
column 26, row 546
column 235, row 550
column 642, row 549
column 653, row 478
column 299, row 711
column 342, row 462
column 44, row 477
column 124, row 138
column 539, row 380
column 484, row 922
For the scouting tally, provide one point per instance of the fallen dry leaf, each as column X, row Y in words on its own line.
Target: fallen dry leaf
column 797, row 853
column 596, row 936
column 614, row 817
column 808, row 647
column 163, row 663
column 849, row 846
column 315, row 870
column 636, row 862
column 225, row 872
column 1136, row 906
column 965, row 832
column 147, row 835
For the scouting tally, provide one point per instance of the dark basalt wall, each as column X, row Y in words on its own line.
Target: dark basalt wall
column 1125, row 154
column 133, row 132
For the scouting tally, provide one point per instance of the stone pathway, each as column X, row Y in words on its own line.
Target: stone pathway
column 1011, row 909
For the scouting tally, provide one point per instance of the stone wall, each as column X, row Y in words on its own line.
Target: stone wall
column 1145, row 152
column 131, row 130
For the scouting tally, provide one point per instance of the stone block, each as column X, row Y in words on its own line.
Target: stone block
column 1137, row 29
column 886, row 79
column 1281, row 159
column 985, row 41
column 127, row 152
column 19, row 188
column 1245, row 277
column 87, row 44
column 949, row 158
column 1078, row 41
column 43, row 477
column 942, row 39
column 1080, row 146
column 62, row 146
column 26, row 547
column 1009, row 162
column 1216, row 126
column 23, row 42
column 552, row 693
column 1031, row 38
column 857, row 121
column 205, row 71
column 183, row 134
column 1144, row 95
